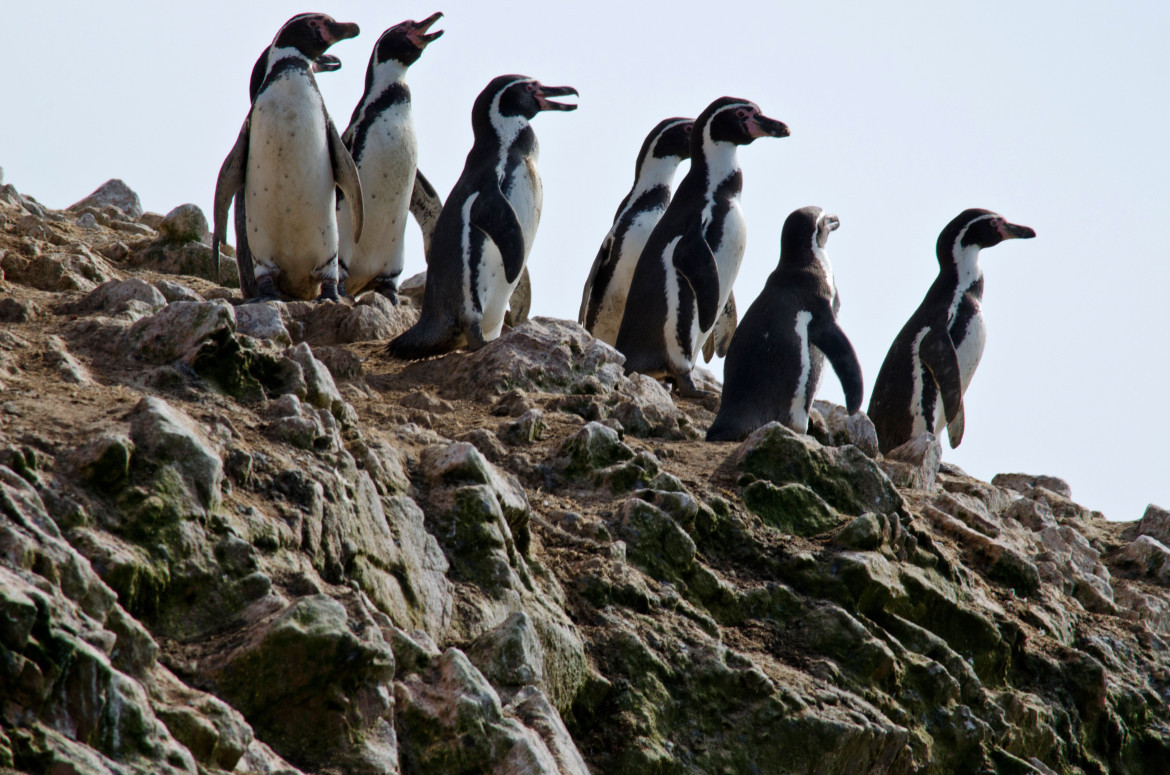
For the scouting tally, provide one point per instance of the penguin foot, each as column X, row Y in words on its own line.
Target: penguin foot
column 686, row 388
column 328, row 291
column 265, row 291
column 387, row 287
column 475, row 338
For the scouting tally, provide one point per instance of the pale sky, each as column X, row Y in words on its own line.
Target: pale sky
column 902, row 114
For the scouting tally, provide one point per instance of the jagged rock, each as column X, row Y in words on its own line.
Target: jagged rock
column 13, row 311
column 792, row 508
column 1148, row 557
column 843, row 476
column 842, row 428
column 453, row 721
column 113, row 193
column 166, row 437
column 309, row 674
column 914, row 464
column 80, row 270
column 262, row 321
column 511, row 654
column 105, row 462
column 525, row 429
column 512, row 404
column 173, row 291
column 1155, row 523
column 1023, row 483
column 592, row 448
column 321, row 390
column 186, row 223
column 58, row 358
column 112, row 297
column 372, row 318
column 178, row 329
column 421, row 399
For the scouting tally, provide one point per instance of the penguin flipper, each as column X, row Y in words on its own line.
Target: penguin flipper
column 588, row 299
column 425, row 206
column 345, row 174
column 720, row 338
column 955, row 428
column 694, row 261
column 244, row 265
column 938, row 353
column 230, row 180
column 492, row 213
column 826, row 334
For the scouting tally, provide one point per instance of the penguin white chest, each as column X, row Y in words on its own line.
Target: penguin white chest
column 969, row 343
column 524, row 192
column 613, row 304
column 387, row 164
column 731, row 236
column 289, row 184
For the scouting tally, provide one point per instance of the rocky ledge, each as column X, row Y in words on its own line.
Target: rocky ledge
column 235, row 538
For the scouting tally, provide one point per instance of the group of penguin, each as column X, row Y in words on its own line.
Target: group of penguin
column 320, row 214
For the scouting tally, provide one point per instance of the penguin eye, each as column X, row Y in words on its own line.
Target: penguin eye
column 742, row 113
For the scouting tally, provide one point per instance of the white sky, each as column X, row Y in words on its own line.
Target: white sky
column 902, row 114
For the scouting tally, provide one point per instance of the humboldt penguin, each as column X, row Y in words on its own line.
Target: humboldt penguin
column 604, row 299
column 773, row 367
column 684, row 276
column 927, row 370
column 289, row 160
column 382, row 141
column 487, row 225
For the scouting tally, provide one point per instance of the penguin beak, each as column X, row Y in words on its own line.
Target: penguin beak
column 760, row 125
column 833, row 222
column 335, row 31
column 1015, row 231
column 417, row 34
column 326, row 63
column 544, row 92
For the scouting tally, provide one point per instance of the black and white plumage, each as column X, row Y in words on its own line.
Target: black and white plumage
column 773, row 366
column 927, row 370
column 288, row 161
column 604, row 299
column 382, row 141
column 487, row 225
column 685, row 273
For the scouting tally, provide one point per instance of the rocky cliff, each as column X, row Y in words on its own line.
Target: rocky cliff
column 236, row 538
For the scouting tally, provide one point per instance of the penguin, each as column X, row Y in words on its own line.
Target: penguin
column 325, row 63
column 684, row 276
column 288, row 160
column 381, row 139
column 935, row 354
column 604, row 299
column 773, row 366
column 487, row 224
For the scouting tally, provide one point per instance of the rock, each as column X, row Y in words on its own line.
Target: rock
column 1155, row 523
column 178, row 329
column 372, row 318
column 186, row 223
column 114, row 296
column 842, row 428
column 843, row 476
column 1148, row 557
column 792, row 508
column 512, row 404
column 511, row 654
column 1022, row 483
column 166, row 436
column 105, row 462
column 263, row 321
column 113, row 193
column 321, row 390
column 592, row 448
column 311, row 672
column 173, row 291
column 58, row 358
column 80, row 270
column 424, row 401
column 914, row 464
column 13, row 311
column 526, row 429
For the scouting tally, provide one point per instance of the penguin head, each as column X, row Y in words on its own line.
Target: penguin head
column 312, row 34
column 404, row 42
column 671, row 138
column 976, row 229
column 735, row 121
column 806, row 231
column 514, row 98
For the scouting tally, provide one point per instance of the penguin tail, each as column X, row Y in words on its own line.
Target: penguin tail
column 424, row 339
